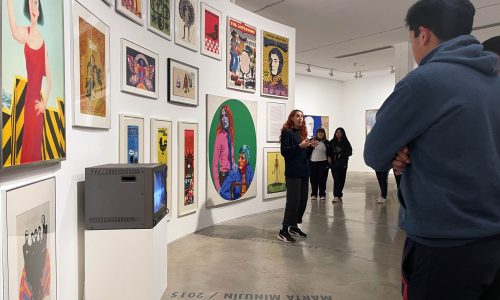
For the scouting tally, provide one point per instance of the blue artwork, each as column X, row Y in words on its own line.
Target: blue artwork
column 315, row 122
column 133, row 144
column 160, row 189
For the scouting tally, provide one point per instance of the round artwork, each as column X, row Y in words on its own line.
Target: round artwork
column 232, row 150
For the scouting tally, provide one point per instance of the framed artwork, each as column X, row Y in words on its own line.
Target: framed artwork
column 370, row 118
column 187, row 30
column 274, row 65
column 274, row 173
column 139, row 70
column 188, row 168
column 131, row 139
column 211, row 20
column 241, row 55
column 315, row 122
column 182, row 83
column 30, row 220
column 161, row 152
column 159, row 18
column 33, row 106
column 108, row 2
column 91, row 104
column 276, row 117
column 232, row 150
column 132, row 9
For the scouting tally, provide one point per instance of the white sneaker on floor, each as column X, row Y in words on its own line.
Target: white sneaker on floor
column 336, row 200
column 381, row 200
column 314, row 198
column 323, row 198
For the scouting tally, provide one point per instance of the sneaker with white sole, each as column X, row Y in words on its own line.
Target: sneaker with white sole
column 285, row 236
column 322, row 198
column 296, row 231
column 381, row 200
column 314, row 198
column 337, row 200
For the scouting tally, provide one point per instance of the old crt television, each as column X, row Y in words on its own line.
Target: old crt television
column 125, row 196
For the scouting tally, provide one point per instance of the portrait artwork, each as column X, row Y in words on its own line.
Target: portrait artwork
column 274, row 65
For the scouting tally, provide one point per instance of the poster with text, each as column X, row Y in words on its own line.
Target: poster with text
column 241, row 55
column 274, row 65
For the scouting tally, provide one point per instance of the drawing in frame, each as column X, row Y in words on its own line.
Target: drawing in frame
column 159, row 18
column 232, row 150
column 139, row 70
column 315, row 122
column 276, row 117
column 30, row 267
column 211, row 26
column 274, row 173
column 91, row 75
column 370, row 119
column 241, row 55
column 274, row 65
column 188, row 168
column 187, row 22
column 131, row 9
column 182, row 83
column 161, row 152
column 33, row 85
column 131, row 139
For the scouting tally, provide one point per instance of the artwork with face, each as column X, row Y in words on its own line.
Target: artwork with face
column 186, row 24
column 241, row 55
column 315, row 122
column 274, row 65
column 32, row 82
column 232, row 150
column 370, row 118
column 274, row 168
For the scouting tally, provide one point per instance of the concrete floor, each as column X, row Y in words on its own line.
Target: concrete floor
column 352, row 252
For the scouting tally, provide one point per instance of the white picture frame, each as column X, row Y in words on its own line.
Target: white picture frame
column 160, row 22
column 211, row 43
column 275, row 169
column 191, row 206
column 190, row 18
column 276, row 117
column 129, row 14
column 129, row 124
column 182, row 90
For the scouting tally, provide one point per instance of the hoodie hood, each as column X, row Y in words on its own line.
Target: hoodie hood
column 465, row 50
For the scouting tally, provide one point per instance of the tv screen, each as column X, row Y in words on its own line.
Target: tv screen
column 160, row 189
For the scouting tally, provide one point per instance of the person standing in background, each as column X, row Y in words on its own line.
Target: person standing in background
column 318, row 165
column 340, row 150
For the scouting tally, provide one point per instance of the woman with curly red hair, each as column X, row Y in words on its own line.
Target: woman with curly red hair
column 294, row 144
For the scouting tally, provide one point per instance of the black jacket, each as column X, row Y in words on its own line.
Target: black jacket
column 340, row 152
column 296, row 159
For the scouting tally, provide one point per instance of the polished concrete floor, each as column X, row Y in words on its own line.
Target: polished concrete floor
column 352, row 252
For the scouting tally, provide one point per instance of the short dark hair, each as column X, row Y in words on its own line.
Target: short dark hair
column 447, row 19
column 276, row 52
column 27, row 11
column 493, row 45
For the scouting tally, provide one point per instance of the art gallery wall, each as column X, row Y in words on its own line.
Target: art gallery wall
column 345, row 103
column 90, row 147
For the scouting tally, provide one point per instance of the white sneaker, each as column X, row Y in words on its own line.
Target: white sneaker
column 381, row 200
column 314, row 198
column 323, row 198
column 336, row 200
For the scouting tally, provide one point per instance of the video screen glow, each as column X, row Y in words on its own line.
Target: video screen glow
column 160, row 191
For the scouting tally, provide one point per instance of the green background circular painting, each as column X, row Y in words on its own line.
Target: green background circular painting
column 244, row 132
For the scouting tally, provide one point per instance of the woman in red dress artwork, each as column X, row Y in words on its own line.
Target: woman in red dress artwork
column 37, row 67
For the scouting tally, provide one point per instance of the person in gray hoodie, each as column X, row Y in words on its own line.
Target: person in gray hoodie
column 441, row 127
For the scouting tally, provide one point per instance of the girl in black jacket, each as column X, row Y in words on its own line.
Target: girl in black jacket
column 340, row 150
column 318, row 165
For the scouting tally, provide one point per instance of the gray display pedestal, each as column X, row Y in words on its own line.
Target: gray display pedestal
column 128, row 264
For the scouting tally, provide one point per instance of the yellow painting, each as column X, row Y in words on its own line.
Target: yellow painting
column 275, row 172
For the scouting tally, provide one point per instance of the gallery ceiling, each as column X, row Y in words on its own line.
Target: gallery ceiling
column 354, row 35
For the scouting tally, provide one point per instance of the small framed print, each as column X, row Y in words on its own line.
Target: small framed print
column 188, row 168
column 211, row 26
column 182, row 83
column 132, row 9
column 241, row 53
column 139, row 70
column 91, row 105
column 159, row 18
column 274, row 173
column 161, row 152
column 187, row 30
column 276, row 116
column 131, row 139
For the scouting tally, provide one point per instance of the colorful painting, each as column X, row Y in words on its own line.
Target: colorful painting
column 161, row 151
column 159, row 18
column 241, row 55
column 370, row 118
column 274, row 65
column 274, row 168
column 315, row 122
column 182, row 83
column 31, row 251
column 211, row 31
column 132, row 9
column 133, row 144
column 186, row 24
column 32, row 83
column 91, row 70
column 232, row 150
column 131, row 139
column 188, row 168
column 139, row 68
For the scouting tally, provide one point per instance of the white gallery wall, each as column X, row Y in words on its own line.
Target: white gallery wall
column 90, row 147
column 345, row 103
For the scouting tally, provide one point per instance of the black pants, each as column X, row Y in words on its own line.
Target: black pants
column 398, row 180
column 319, row 175
column 339, row 171
column 382, row 178
column 296, row 200
column 468, row 272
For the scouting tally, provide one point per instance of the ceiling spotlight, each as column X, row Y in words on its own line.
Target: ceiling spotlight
column 308, row 69
column 393, row 70
column 331, row 73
